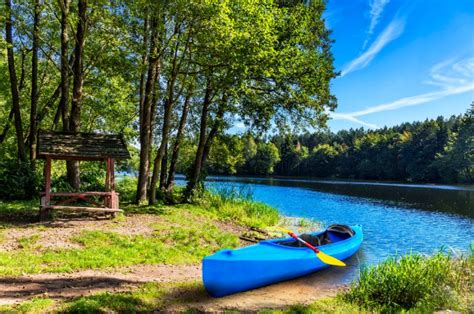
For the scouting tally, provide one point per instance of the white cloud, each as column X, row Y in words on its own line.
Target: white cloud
column 376, row 10
column 350, row 117
column 452, row 77
column 391, row 32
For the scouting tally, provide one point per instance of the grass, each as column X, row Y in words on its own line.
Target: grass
column 414, row 282
column 371, row 294
column 236, row 205
column 13, row 211
column 185, row 235
column 33, row 306
column 333, row 305
column 408, row 284
column 146, row 298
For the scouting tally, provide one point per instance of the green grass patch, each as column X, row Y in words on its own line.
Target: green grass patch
column 33, row 306
column 414, row 282
column 333, row 305
column 15, row 211
column 184, row 236
column 144, row 299
column 28, row 242
column 147, row 298
column 230, row 204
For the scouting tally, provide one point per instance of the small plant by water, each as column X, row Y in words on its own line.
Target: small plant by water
column 414, row 281
column 237, row 205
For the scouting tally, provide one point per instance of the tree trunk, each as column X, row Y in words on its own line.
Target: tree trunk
column 214, row 130
column 64, row 100
column 158, row 171
column 14, row 82
column 164, row 169
column 144, row 63
column 177, row 143
column 145, row 115
column 78, row 80
column 4, row 133
column 34, row 83
column 57, row 92
column 195, row 172
column 161, row 151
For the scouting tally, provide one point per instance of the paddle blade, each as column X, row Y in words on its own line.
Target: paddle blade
column 329, row 259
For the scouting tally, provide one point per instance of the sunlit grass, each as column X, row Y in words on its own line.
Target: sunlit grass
column 146, row 298
column 416, row 282
column 174, row 241
column 238, row 206
column 333, row 305
column 33, row 306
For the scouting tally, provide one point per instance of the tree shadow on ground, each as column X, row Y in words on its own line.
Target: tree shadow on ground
column 58, row 288
column 26, row 214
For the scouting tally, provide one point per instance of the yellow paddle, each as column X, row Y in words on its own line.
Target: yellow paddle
column 321, row 255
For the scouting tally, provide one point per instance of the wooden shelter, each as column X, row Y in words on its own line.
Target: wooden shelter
column 81, row 146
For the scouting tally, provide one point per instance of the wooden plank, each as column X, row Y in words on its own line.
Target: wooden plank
column 82, row 208
column 78, row 194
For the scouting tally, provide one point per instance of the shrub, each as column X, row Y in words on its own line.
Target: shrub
column 18, row 181
column 413, row 281
column 127, row 187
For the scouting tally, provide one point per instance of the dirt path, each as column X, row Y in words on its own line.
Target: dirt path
column 65, row 286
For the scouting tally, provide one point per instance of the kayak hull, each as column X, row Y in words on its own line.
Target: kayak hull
column 230, row 271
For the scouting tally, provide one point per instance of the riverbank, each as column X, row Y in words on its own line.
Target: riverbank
column 148, row 260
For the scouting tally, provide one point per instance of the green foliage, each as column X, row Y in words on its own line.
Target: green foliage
column 413, row 281
column 127, row 188
column 437, row 150
column 456, row 161
column 17, row 180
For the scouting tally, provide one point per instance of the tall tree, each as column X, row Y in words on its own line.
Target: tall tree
column 78, row 81
column 34, row 82
column 64, row 100
column 14, row 82
column 146, row 112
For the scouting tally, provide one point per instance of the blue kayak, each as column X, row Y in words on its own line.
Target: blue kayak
column 271, row 261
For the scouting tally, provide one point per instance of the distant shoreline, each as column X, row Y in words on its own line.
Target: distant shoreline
column 442, row 186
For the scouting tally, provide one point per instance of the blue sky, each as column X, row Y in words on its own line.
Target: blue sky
column 400, row 60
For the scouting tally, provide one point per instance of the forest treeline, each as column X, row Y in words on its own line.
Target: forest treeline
column 158, row 72
column 435, row 150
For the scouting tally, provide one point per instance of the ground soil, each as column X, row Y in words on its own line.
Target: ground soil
column 64, row 286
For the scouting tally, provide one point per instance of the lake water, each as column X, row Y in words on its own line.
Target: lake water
column 396, row 218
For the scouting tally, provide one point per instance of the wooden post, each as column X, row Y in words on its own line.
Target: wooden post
column 107, row 175
column 46, row 199
column 108, row 198
column 112, row 201
column 114, row 204
column 112, row 174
